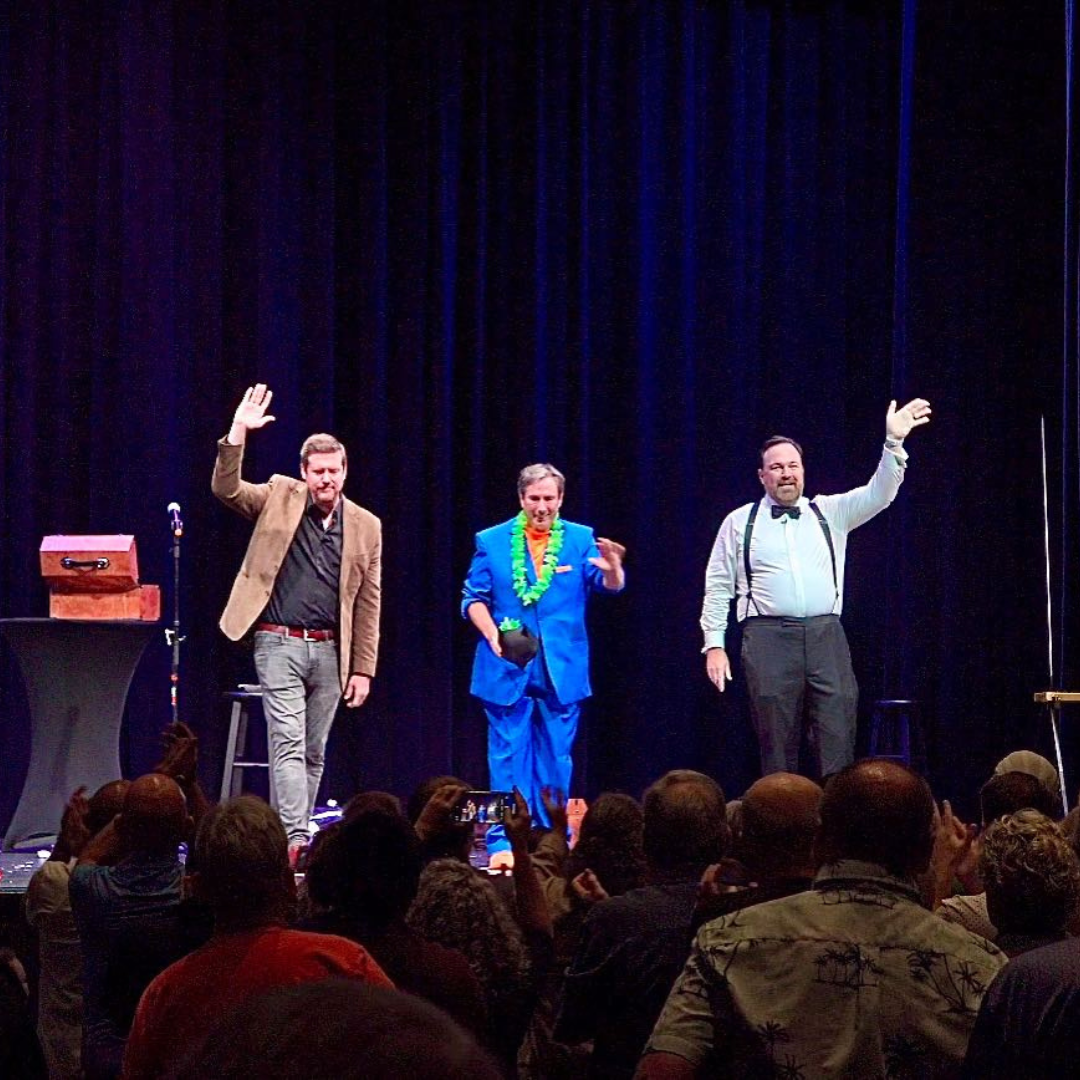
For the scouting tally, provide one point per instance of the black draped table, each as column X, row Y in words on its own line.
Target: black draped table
column 77, row 675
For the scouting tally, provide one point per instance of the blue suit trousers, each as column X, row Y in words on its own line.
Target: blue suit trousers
column 530, row 746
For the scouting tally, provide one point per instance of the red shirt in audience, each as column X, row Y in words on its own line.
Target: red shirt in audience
column 181, row 1005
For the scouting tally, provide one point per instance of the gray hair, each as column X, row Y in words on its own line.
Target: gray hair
column 241, row 854
column 532, row 474
column 320, row 443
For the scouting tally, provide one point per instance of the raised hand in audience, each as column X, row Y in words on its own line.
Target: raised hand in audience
column 952, row 841
column 533, row 913
column 555, row 805
column 587, row 887
column 74, row 832
column 435, row 817
column 181, row 757
column 517, row 821
column 180, row 762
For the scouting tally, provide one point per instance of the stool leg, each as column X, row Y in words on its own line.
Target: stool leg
column 230, row 753
column 237, row 786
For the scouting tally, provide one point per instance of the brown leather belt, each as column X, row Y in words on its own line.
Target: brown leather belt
column 296, row 631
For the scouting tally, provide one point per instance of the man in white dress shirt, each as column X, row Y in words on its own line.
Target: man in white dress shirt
column 782, row 560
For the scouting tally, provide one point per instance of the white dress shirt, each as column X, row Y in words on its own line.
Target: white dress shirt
column 789, row 557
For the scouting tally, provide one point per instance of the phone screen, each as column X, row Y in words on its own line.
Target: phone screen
column 482, row 807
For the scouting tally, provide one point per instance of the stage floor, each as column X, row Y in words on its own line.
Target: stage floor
column 16, row 869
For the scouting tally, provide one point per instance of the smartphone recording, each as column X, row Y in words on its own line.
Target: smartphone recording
column 482, row 807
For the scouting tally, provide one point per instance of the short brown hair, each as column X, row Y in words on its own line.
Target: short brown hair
column 320, row 443
column 776, row 440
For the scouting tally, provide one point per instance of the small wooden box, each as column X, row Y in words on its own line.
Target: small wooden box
column 96, row 577
column 143, row 602
column 78, row 564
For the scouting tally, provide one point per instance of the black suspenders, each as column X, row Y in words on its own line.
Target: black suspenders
column 746, row 553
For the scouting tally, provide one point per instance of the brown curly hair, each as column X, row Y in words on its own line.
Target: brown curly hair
column 1031, row 874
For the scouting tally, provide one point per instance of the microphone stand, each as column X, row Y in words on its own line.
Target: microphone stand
column 173, row 637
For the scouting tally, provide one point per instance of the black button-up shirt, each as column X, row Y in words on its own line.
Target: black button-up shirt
column 307, row 586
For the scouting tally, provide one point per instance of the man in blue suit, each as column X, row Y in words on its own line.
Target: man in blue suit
column 534, row 574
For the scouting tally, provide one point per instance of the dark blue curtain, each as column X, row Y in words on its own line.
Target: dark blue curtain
column 633, row 238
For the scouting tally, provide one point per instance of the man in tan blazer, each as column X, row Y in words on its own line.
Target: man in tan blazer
column 309, row 586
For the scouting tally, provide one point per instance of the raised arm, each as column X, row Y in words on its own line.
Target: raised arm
column 180, row 762
column 856, row 507
column 244, row 498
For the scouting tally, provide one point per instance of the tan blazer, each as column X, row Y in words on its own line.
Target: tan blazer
column 277, row 507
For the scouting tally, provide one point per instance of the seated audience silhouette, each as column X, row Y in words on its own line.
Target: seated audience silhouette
column 240, row 869
column 851, row 978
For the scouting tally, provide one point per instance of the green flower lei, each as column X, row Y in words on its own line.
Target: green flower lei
column 526, row 593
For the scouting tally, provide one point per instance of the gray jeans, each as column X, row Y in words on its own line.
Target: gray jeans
column 301, row 692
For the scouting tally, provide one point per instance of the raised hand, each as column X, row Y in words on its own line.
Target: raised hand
column 181, row 757
column 899, row 422
column 517, row 821
column 435, row 817
column 251, row 413
column 587, row 887
column 555, row 805
column 611, row 555
column 74, row 831
column 952, row 839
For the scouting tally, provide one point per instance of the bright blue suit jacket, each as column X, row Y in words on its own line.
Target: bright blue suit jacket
column 557, row 619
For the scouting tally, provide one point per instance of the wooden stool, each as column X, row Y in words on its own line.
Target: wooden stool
column 232, row 780
column 894, row 730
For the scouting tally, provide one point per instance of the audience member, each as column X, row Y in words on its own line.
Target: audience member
column 366, row 875
column 341, row 1029
column 1032, row 880
column 125, row 897
column 430, row 810
column 48, row 911
column 456, row 907
column 778, row 822
column 852, row 978
column 611, row 844
column 608, row 860
column 1032, row 764
column 372, row 800
column 241, row 870
column 957, row 864
column 1028, row 1027
column 633, row 946
column 20, row 1055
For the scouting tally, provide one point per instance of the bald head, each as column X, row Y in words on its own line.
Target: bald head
column 105, row 804
column 878, row 811
column 780, row 818
column 154, row 816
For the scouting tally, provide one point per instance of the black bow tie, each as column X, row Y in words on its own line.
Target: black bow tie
column 780, row 511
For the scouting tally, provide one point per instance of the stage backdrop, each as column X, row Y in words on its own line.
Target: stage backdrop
column 631, row 238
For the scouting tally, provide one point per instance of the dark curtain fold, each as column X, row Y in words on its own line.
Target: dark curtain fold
column 630, row 238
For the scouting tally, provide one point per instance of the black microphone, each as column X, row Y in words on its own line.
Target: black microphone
column 174, row 519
